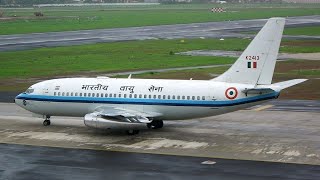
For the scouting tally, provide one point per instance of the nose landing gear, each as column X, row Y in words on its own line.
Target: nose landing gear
column 47, row 121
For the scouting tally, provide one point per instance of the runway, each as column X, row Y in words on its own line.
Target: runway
column 194, row 30
column 29, row 162
column 280, row 131
column 276, row 140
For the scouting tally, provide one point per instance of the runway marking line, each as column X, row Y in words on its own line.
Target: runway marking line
column 263, row 107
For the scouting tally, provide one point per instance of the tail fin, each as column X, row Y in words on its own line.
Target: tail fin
column 256, row 64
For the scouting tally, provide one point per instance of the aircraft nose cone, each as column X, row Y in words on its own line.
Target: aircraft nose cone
column 18, row 101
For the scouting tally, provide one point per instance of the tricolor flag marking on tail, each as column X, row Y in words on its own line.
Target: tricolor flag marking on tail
column 252, row 61
column 252, row 65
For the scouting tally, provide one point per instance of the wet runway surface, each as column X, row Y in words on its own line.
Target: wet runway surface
column 194, row 30
column 231, row 146
column 275, row 131
column 292, row 105
column 32, row 162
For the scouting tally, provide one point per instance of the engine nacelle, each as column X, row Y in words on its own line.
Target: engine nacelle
column 107, row 122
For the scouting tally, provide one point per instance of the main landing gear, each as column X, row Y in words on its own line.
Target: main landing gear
column 132, row 132
column 47, row 121
column 155, row 124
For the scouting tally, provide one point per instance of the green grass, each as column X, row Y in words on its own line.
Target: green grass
column 309, row 31
column 196, row 74
column 62, row 19
column 300, row 46
column 307, row 72
column 120, row 56
column 106, row 57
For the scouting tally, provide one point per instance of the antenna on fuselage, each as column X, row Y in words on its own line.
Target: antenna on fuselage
column 129, row 77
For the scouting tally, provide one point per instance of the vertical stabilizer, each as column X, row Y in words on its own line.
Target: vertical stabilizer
column 256, row 64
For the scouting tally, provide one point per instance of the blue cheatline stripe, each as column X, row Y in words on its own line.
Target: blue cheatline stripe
column 166, row 102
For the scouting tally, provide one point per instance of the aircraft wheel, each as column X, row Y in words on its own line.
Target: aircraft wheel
column 46, row 122
column 157, row 124
column 132, row 132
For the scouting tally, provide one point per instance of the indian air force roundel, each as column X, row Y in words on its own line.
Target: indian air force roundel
column 231, row 93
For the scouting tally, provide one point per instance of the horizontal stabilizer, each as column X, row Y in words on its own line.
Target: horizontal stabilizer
column 286, row 84
column 282, row 85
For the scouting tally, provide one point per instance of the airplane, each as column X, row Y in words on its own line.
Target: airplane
column 131, row 104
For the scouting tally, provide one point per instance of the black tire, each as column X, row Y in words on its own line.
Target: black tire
column 156, row 124
column 159, row 124
column 132, row 132
column 46, row 123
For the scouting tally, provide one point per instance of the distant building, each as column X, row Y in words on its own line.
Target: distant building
column 301, row 1
column 151, row 1
column 183, row 1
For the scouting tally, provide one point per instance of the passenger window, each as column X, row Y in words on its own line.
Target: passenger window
column 159, row 96
column 173, row 97
column 198, row 97
column 63, row 94
column 145, row 96
column 125, row 95
column 188, row 97
column 135, row 96
column 193, row 98
column 178, row 97
column 140, row 96
column 92, row 94
column 97, row 95
column 130, row 95
column 85, row 94
column 168, row 96
column 150, row 96
column 119, row 96
column 58, row 93
column 89, row 94
column 183, row 97
column 75, row 94
column 154, row 97
column 106, row 95
column 164, row 97
column 67, row 94
column 114, row 95
column 71, row 94
column 80, row 94
column 54, row 93
column 101, row 95
column 203, row 98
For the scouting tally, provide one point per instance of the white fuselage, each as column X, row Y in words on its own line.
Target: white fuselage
column 172, row 99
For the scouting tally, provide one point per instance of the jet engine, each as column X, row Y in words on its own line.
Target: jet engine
column 113, row 122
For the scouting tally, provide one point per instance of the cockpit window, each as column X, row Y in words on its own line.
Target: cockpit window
column 30, row 90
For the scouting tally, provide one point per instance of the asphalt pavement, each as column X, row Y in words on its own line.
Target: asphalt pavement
column 32, row 162
column 194, row 30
